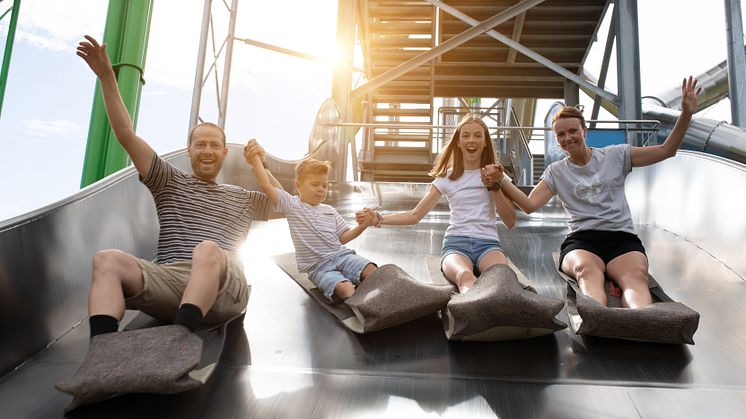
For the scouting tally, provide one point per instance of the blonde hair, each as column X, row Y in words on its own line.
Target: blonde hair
column 206, row 124
column 312, row 167
column 452, row 157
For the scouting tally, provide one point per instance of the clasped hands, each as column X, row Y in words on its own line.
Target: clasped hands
column 251, row 149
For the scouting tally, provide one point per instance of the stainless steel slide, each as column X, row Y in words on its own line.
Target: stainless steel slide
column 292, row 359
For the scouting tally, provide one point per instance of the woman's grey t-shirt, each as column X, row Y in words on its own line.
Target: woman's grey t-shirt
column 593, row 194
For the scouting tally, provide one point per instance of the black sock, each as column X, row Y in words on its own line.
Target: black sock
column 189, row 316
column 101, row 323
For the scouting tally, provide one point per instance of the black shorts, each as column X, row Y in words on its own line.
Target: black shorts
column 605, row 244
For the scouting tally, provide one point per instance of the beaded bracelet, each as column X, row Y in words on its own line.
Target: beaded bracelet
column 380, row 219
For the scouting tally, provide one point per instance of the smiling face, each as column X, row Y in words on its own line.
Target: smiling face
column 570, row 135
column 207, row 151
column 471, row 143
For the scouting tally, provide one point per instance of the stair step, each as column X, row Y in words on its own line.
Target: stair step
column 410, row 13
column 402, row 156
column 538, row 167
column 401, row 27
column 402, row 137
column 402, row 112
column 407, row 151
column 401, row 168
column 395, row 176
column 392, row 57
column 412, row 125
column 409, row 84
column 400, row 42
column 378, row 98
column 422, row 71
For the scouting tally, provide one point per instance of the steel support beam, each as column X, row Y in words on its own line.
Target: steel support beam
column 342, row 81
column 527, row 52
column 604, row 66
column 227, row 65
column 517, row 31
column 736, row 62
column 572, row 93
column 446, row 46
column 628, row 63
column 199, row 73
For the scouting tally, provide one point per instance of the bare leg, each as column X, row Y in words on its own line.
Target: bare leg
column 369, row 268
column 459, row 270
column 116, row 275
column 630, row 272
column 588, row 269
column 208, row 274
column 344, row 290
column 493, row 257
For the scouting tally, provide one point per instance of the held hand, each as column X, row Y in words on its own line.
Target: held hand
column 253, row 149
column 491, row 174
column 375, row 217
column 367, row 217
column 362, row 217
column 689, row 93
column 94, row 55
column 369, row 220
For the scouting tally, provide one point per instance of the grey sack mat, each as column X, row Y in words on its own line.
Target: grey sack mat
column 388, row 297
column 500, row 306
column 145, row 358
column 664, row 321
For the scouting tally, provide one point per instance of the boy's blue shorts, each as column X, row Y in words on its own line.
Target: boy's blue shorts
column 343, row 266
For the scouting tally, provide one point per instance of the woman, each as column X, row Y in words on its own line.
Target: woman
column 590, row 184
column 471, row 239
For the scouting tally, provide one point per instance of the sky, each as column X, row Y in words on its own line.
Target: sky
column 274, row 97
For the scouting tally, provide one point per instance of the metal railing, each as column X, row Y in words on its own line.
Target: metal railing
column 512, row 141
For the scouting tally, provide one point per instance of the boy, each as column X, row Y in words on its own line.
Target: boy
column 317, row 230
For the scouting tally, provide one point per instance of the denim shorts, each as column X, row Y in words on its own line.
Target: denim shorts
column 342, row 266
column 472, row 248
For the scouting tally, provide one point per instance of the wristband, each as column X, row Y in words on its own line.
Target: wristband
column 264, row 164
column 380, row 219
column 497, row 185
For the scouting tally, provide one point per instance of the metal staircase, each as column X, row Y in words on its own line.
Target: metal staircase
column 398, row 31
column 538, row 167
column 393, row 32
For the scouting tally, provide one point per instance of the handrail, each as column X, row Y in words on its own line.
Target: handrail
column 512, row 127
column 522, row 161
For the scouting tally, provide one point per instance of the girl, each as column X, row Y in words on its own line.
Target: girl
column 471, row 239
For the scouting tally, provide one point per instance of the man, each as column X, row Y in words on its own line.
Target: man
column 197, row 276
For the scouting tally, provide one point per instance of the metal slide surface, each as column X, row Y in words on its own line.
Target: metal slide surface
column 291, row 359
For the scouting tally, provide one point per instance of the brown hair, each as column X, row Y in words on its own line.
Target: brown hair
column 451, row 156
column 206, row 124
column 312, row 167
column 570, row 112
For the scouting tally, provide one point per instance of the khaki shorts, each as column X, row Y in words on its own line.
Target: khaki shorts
column 163, row 288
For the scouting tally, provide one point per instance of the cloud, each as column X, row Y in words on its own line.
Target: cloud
column 38, row 129
column 58, row 25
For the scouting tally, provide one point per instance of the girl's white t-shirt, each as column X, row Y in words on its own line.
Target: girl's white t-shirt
column 472, row 208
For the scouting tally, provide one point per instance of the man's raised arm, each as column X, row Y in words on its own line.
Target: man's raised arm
column 97, row 59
